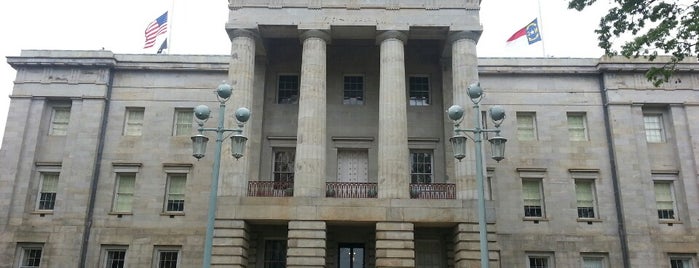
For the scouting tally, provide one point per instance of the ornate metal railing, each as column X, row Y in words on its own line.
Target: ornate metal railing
column 433, row 191
column 351, row 189
column 270, row 188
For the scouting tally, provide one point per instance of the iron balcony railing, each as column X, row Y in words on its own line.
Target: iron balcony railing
column 433, row 191
column 351, row 189
column 270, row 188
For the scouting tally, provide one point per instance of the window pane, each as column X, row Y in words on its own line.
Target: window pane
column 134, row 122
column 59, row 121
column 653, row 125
column 115, row 258
column 664, row 200
column 47, row 196
column 353, row 90
column 680, row 263
column 184, row 118
column 538, row 262
column 585, row 198
column 31, row 257
column 576, row 127
column 176, row 191
column 526, row 130
column 288, row 89
column 593, row 262
column 421, row 167
column 531, row 193
column 419, row 91
column 124, row 192
column 284, row 165
column 168, row 259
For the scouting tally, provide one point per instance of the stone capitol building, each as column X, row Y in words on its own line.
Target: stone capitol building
column 348, row 162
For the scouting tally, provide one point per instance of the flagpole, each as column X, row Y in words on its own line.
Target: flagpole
column 172, row 22
column 541, row 24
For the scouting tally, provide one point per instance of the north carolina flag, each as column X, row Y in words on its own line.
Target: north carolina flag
column 531, row 31
column 155, row 28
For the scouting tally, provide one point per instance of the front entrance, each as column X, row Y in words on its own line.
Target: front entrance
column 350, row 255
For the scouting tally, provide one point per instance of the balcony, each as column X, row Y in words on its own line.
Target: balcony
column 351, row 189
column 270, row 188
column 432, row 191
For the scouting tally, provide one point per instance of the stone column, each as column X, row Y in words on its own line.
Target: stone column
column 306, row 245
column 395, row 246
column 234, row 173
column 394, row 170
column 309, row 179
column 231, row 244
column 467, row 252
column 464, row 67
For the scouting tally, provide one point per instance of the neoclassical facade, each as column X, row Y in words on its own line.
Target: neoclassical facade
column 348, row 161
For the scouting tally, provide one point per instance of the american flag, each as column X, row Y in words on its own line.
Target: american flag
column 155, row 28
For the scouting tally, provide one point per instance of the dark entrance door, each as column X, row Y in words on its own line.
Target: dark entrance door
column 351, row 256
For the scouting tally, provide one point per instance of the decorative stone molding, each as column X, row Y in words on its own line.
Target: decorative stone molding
column 322, row 34
column 400, row 35
column 470, row 35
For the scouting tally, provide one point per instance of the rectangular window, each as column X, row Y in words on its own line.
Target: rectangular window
column 133, row 122
column 175, row 192
column 681, row 261
column 594, row 261
column 353, row 90
column 577, row 127
column 665, row 200
column 123, row 192
column 114, row 257
column 539, row 261
column 184, row 119
column 533, row 199
column 526, row 126
column 29, row 255
column 653, row 125
column 284, row 164
column 419, row 90
column 167, row 257
column 585, row 195
column 288, row 89
column 59, row 121
column 47, row 191
column 420, row 167
column 275, row 254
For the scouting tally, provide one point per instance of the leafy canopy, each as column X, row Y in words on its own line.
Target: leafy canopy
column 648, row 28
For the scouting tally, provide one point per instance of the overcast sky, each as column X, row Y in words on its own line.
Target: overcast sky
column 197, row 27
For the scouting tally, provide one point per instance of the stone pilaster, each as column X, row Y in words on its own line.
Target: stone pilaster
column 230, row 244
column 464, row 68
column 306, row 245
column 241, row 71
column 309, row 179
column 467, row 253
column 395, row 246
column 394, row 170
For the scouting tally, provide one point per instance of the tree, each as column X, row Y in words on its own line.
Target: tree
column 649, row 28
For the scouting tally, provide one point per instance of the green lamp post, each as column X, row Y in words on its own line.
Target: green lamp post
column 497, row 143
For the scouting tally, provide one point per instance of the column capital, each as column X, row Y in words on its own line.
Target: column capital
column 314, row 33
column 249, row 33
column 470, row 35
column 391, row 34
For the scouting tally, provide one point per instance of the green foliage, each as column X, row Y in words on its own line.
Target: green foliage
column 648, row 28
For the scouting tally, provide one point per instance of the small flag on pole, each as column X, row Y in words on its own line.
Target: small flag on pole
column 154, row 29
column 531, row 31
column 163, row 46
